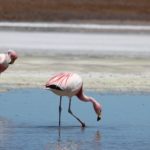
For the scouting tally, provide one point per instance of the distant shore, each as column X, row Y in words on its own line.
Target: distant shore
column 99, row 11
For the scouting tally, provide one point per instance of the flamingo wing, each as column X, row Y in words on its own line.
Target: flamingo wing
column 64, row 83
column 3, row 63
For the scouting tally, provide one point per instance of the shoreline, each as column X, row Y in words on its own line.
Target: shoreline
column 103, row 92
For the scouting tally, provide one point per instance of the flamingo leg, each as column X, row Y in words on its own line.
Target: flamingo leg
column 60, row 108
column 69, row 111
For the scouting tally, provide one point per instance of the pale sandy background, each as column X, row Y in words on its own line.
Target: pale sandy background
column 104, row 74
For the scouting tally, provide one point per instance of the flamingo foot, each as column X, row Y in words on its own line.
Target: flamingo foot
column 83, row 125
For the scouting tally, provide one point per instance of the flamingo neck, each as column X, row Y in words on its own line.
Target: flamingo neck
column 83, row 97
column 8, row 59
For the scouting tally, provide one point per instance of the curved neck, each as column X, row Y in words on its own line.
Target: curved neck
column 83, row 97
column 8, row 59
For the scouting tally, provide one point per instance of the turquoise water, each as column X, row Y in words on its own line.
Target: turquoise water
column 29, row 121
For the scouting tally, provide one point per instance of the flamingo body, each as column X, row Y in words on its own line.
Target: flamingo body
column 7, row 59
column 65, row 84
column 4, row 62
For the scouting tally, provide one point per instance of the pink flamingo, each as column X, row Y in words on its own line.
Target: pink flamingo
column 7, row 59
column 71, row 84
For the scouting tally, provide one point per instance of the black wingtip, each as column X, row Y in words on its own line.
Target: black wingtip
column 53, row 86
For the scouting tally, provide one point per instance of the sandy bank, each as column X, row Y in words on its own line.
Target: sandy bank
column 104, row 74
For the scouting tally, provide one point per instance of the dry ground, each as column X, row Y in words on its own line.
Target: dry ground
column 101, row 74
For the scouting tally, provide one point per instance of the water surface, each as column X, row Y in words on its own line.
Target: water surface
column 29, row 121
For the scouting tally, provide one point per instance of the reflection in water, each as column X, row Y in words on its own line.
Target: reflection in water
column 97, row 136
column 74, row 142
column 69, row 145
column 59, row 132
column 97, row 139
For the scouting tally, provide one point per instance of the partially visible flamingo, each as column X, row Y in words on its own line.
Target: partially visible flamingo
column 71, row 84
column 7, row 59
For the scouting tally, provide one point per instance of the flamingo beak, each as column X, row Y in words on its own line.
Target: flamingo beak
column 99, row 117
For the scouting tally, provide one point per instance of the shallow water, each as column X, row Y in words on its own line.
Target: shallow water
column 29, row 121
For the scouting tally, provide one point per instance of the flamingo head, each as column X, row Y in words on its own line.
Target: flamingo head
column 98, row 110
column 13, row 56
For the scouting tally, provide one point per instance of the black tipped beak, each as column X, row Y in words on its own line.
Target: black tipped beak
column 98, row 118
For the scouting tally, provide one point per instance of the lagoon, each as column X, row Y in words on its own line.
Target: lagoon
column 29, row 120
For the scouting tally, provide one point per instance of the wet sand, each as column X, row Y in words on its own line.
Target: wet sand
column 100, row 73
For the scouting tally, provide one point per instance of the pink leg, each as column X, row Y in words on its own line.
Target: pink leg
column 60, row 111
column 69, row 110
